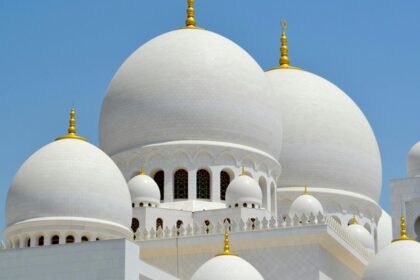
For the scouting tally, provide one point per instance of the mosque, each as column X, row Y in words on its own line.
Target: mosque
column 189, row 183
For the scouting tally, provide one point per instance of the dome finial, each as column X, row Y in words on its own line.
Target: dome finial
column 305, row 190
column 354, row 220
column 190, row 22
column 243, row 173
column 71, row 131
column 403, row 233
column 226, row 248
column 142, row 171
column 284, row 62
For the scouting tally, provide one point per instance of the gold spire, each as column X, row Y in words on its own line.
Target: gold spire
column 305, row 190
column 71, row 132
column 243, row 173
column 142, row 171
column 226, row 248
column 354, row 220
column 284, row 62
column 403, row 233
column 190, row 22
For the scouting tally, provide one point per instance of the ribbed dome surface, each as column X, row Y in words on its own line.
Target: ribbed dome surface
column 69, row 178
column 190, row 85
column 327, row 141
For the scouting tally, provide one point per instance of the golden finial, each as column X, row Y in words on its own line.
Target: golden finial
column 243, row 173
column 142, row 171
column 226, row 248
column 71, row 132
column 353, row 220
column 403, row 233
column 284, row 62
column 305, row 190
column 190, row 22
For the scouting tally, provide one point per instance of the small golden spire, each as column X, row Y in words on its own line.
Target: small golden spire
column 142, row 171
column 71, row 132
column 190, row 22
column 284, row 62
column 305, row 190
column 354, row 220
column 226, row 248
column 403, row 233
column 243, row 173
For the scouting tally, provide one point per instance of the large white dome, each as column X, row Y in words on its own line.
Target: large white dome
column 413, row 161
column 69, row 179
column 399, row 260
column 190, row 84
column 227, row 267
column 327, row 141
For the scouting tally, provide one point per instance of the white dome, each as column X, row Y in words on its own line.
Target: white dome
column 190, row 84
column 243, row 189
column 413, row 161
column 69, row 178
column 144, row 189
column 361, row 234
column 305, row 204
column 227, row 267
column 327, row 141
column 399, row 260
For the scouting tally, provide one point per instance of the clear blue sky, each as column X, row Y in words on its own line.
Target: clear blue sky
column 55, row 53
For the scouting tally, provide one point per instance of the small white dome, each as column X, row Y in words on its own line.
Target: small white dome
column 305, row 204
column 69, row 178
column 143, row 189
column 227, row 267
column 399, row 260
column 327, row 140
column 361, row 234
column 186, row 85
column 243, row 189
column 413, row 161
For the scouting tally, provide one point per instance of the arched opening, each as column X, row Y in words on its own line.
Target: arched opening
column 262, row 182
column 98, row 239
column 224, row 183
column 203, row 184
column 179, row 223
column 181, row 184
column 207, row 224
column 28, row 242
column 85, row 239
column 41, row 241
column 55, row 240
column 135, row 224
column 159, row 223
column 417, row 228
column 70, row 239
column 159, row 178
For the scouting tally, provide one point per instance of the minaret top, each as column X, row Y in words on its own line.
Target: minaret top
column 71, row 132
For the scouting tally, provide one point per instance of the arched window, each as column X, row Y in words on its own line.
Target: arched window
column 135, row 224
column 203, row 184
column 159, row 223
column 70, row 239
column 160, row 181
column 224, row 183
column 181, row 184
column 85, row 239
column 55, row 240
column 41, row 241
column 28, row 243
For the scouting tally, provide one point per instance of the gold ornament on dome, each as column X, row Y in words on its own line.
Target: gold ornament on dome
column 71, row 131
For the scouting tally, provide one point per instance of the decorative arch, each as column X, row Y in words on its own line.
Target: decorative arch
column 55, row 240
column 159, row 178
column 70, row 239
column 181, row 184
column 225, row 179
column 203, row 182
column 159, row 223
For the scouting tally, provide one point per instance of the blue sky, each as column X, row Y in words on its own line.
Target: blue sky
column 56, row 53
